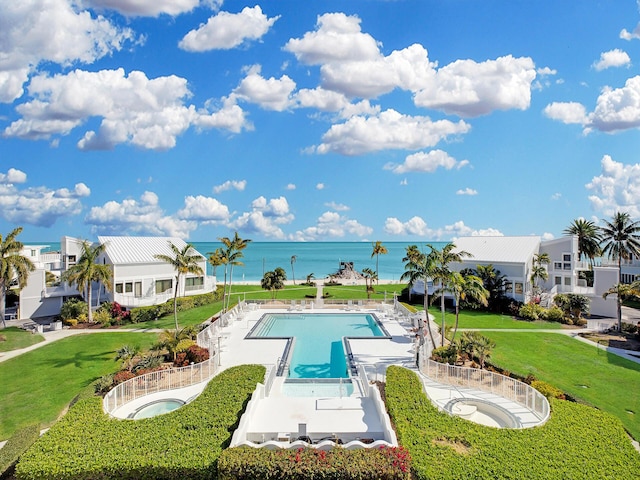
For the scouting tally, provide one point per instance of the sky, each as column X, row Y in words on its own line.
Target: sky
column 289, row 120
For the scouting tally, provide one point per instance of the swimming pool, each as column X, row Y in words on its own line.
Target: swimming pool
column 319, row 349
column 158, row 407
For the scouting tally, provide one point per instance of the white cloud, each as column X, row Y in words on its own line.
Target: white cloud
column 389, row 130
column 80, row 190
column 228, row 30
column 238, row 185
column 338, row 207
column 414, row 226
column 556, row 196
column 145, row 8
column 417, row 226
column 203, row 209
column 618, row 109
column 270, row 94
column 546, row 236
column 427, row 162
column 320, row 186
column 13, row 176
column 332, row 225
column 143, row 217
column 147, row 113
column 36, row 31
column 265, row 217
column 627, row 35
column 546, row 71
column 467, row 191
column 470, row 89
column 290, row 186
column 567, row 112
column 617, row 188
column 612, row 58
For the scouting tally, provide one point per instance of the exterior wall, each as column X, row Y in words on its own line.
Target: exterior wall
column 604, row 279
column 34, row 299
column 563, row 265
column 516, row 273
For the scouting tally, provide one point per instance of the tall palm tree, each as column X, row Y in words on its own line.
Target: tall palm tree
column 183, row 261
column 216, row 259
column 87, row 270
column 274, row 281
column 463, row 288
column 621, row 240
column 539, row 270
column 442, row 272
column 233, row 252
column 412, row 252
column 494, row 281
column 378, row 249
column 293, row 274
column 13, row 266
column 420, row 266
column 369, row 277
column 588, row 235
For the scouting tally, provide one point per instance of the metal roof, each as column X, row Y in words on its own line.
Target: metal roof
column 499, row 249
column 128, row 250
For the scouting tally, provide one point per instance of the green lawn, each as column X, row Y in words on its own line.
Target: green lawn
column 37, row 385
column 607, row 381
column 359, row 292
column 477, row 319
column 15, row 338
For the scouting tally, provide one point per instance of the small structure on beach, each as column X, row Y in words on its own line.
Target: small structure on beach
column 346, row 271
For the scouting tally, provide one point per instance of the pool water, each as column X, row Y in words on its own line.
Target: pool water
column 158, row 407
column 318, row 350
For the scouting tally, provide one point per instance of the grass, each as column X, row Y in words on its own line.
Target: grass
column 483, row 320
column 15, row 338
column 359, row 292
column 607, row 381
column 38, row 385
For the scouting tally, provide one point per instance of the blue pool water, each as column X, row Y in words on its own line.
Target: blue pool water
column 158, row 407
column 318, row 350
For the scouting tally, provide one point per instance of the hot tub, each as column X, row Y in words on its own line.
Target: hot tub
column 483, row 412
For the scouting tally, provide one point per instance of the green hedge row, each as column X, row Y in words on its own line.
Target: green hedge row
column 17, row 445
column 88, row 444
column 577, row 442
column 154, row 312
column 247, row 463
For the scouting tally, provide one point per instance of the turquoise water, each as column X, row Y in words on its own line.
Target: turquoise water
column 318, row 350
column 157, row 408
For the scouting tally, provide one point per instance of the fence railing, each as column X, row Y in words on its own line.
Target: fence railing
column 159, row 381
column 490, row 382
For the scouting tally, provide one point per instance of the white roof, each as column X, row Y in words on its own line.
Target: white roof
column 127, row 250
column 499, row 249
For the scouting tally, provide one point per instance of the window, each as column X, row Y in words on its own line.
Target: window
column 508, row 287
column 33, row 253
column 566, row 257
column 118, row 288
column 557, row 280
column 138, row 289
column 128, row 287
column 519, row 288
column 566, row 266
column 567, row 281
column 164, row 285
column 557, row 265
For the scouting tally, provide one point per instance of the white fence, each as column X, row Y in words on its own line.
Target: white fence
column 487, row 381
column 159, row 381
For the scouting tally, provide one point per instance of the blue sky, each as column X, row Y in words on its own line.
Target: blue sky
column 317, row 120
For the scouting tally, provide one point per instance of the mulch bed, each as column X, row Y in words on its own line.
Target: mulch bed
column 626, row 341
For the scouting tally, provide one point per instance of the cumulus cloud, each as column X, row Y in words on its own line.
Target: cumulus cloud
column 612, row 58
column 228, row 30
column 389, row 130
column 290, row 186
column 338, row 207
column 80, row 190
column 332, row 225
column 13, row 176
column 320, row 186
column 238, row 185
column 417, row 226
column 36, row 31
column 617, row 188
column 633, row 35
column 148, row 113
column 146, row 8
column 139, row 217
column 467, row 191
column 427, row 162
column 270, row 93
column 203, row 209
column 330, row 101
column 265, row 217
column 414, row 226
column 567, row 112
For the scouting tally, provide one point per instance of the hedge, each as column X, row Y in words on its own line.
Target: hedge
column 154, row 312
column 88, row 444
column 577, row 442
column 245, row 463
column 17, row 445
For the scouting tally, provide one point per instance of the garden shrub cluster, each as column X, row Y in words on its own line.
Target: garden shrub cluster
column 88, row 444
column 16, row 446
column 576, row 442
column 246, row 463
column 154, row 312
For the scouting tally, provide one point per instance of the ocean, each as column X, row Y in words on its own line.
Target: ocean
column 318, row 258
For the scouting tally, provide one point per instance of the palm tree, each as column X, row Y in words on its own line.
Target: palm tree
column 623, row 291
column 494, row 281
column 233, row 253
column 412, row 252
column 420, row 266
column 369, row 277
column 175, row 341
column 87, row 270
column 183, row 261
column 378, row 249
column 621, row 240
column 442, row 273
column 539, row 270
column 463, row 288
column 274, row 281
column 588, row 238
column 216, row 259
column 293, row 274
column 13, row 266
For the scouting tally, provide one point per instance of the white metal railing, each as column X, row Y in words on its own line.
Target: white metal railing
column 490, row 382
column 159, row 381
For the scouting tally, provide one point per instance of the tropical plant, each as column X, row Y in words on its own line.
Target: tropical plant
column 216, row 259
column 474, row 344
column 442, row 272
column 14, row 267
column 588, row 238
column 128, row 354
column 378, row 249
column 623, row 291
column 412, row 252
column 293, row 273
column 233, row 253
column 572, row 304
column 494, row 281
column 420, row 267
column 175, row 341
column 620, row 241
column 369, row 277
column 274, row 281
column 310, row 278
column 539, row 271
column 86, row 271
column 463, row 288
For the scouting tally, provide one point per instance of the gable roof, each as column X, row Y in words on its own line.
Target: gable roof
column 499, row 249
column 127, row 250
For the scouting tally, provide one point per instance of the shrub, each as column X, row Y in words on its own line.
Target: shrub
column 122, row 376
column 72, row 322
column 197, row 354
column 102, row 317
column 16, row 446
column 150, row 361
column 531, row 311
column 104, row 384
column 548, row 390
column 447, row 354
column 554, row 314
column 73, row 308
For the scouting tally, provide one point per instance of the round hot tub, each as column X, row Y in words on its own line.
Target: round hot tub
column 157, row 407
column 483, row 412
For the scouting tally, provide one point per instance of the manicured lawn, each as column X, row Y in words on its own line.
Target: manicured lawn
column 256, row 292
column 193, row 316
column 359, row 292
column 37, row 385
column 16, row 338
column 476, row 319
column 604, row 380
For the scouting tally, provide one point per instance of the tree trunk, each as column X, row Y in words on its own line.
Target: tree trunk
column 618, row 299
column 175, row 303
column 3, row 300
column 90, row 311
column 442, row 312
column 426, row 311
